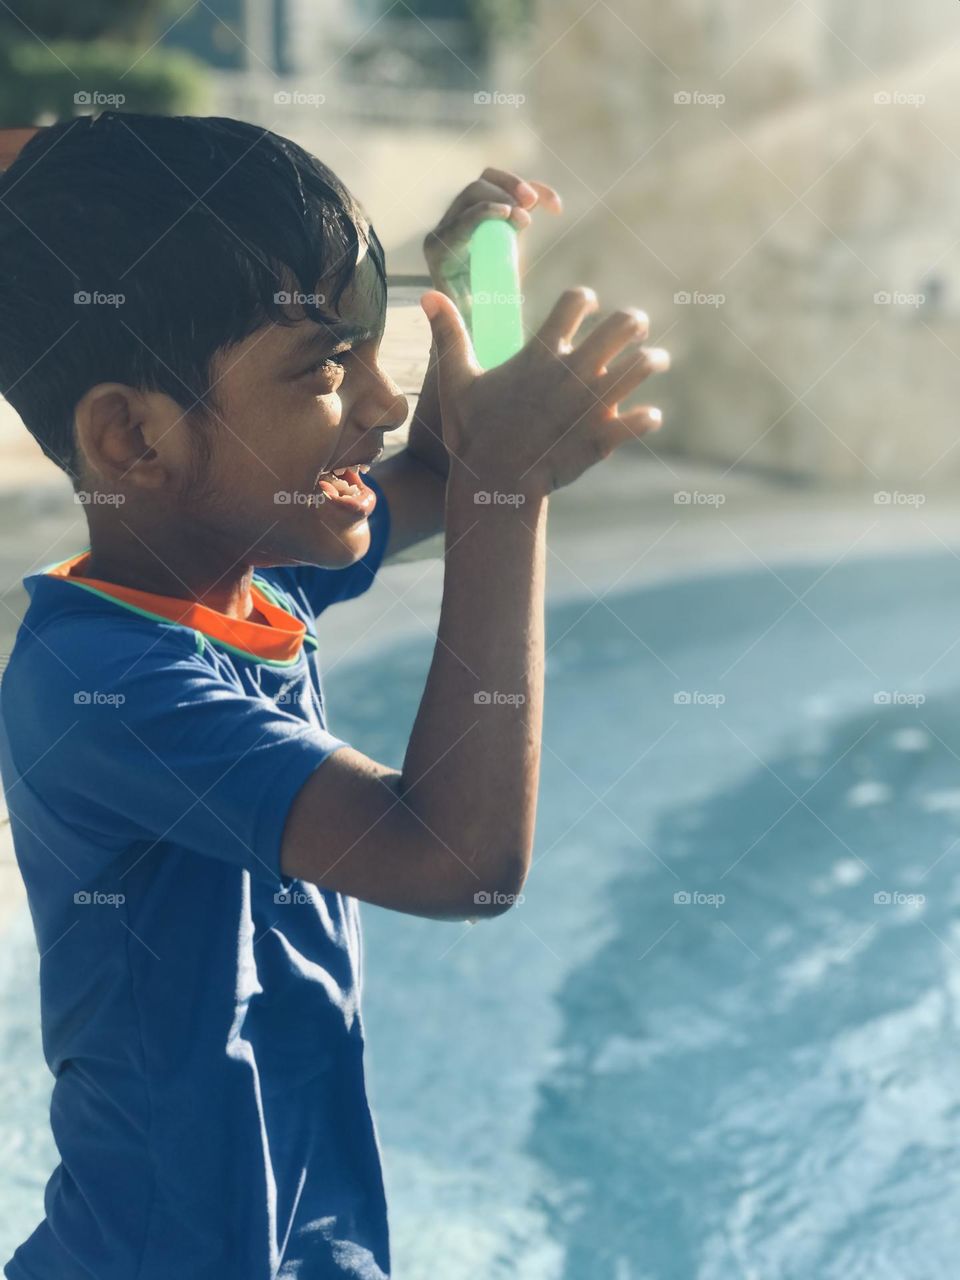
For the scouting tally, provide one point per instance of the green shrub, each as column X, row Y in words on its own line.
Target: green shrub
column 38, row 82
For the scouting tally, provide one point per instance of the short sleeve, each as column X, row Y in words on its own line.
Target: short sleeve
column 128, row 740
column 320, row 587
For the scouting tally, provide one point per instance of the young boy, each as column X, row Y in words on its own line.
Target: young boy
column 190, row 317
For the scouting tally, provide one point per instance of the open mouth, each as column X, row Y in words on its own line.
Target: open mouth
column 344, row 482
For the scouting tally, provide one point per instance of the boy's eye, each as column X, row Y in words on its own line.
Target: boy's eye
column 330, row 363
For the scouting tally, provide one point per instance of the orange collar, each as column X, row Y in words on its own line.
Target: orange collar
column 278, row 642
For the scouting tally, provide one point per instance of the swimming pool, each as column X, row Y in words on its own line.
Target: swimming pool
column 720, row 1036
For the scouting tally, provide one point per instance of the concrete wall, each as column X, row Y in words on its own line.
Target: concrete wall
column 738, row 154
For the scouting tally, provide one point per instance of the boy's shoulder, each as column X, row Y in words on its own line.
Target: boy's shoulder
column 74, row 650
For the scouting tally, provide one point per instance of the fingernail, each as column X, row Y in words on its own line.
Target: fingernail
column 659, row 358
column 655, row 417
column 524, row 190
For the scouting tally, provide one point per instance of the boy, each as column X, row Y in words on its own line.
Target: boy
column 190, row 317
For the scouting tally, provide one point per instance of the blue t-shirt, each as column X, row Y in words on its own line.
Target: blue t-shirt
column 200, row 1010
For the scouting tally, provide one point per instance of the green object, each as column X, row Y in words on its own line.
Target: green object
column 496, row 302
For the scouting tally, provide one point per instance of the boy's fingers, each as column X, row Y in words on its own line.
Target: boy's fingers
column 472, row 216
column 526, row 191
column 548, row 195
column 629, row 371
column 608, row 339
column 629, row 426
column 569, row 312
column 456, row 361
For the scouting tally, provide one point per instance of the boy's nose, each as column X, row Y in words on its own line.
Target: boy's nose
column 389, row 411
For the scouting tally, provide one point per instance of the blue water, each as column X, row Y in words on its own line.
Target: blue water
column 611, row 1082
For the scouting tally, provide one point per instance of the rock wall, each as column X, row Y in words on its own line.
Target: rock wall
column 780, row 189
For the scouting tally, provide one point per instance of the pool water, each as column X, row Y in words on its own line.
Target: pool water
column 720, row 1036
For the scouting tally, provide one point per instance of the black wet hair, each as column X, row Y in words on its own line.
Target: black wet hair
column 197, row 223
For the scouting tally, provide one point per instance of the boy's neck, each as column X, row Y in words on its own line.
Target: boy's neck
column 230, row 595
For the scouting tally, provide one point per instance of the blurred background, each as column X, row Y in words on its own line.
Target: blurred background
column 719, row 1036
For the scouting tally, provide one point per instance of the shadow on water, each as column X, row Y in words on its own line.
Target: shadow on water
column 767, row 1085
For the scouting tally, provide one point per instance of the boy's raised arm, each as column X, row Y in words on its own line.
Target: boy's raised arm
column 451, row 835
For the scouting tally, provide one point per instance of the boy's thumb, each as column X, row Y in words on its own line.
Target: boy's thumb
column 454, row 348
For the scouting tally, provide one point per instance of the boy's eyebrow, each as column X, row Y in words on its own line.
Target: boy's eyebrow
column 329, row 332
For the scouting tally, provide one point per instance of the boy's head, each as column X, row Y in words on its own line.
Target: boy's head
column 190, row 316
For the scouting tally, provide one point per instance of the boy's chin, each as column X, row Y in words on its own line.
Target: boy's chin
column 338, row 548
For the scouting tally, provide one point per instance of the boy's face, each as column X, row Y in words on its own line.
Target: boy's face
column 294, row 401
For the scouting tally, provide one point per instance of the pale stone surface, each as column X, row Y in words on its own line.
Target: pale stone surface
column 798, row 199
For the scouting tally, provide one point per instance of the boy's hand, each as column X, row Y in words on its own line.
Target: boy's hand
column 495, row 194
column 539, row 420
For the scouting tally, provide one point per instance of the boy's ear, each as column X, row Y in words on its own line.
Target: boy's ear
column 132, row 438
column 11, row 143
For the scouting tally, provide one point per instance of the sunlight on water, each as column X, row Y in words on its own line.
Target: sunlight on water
column 719, row 1036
